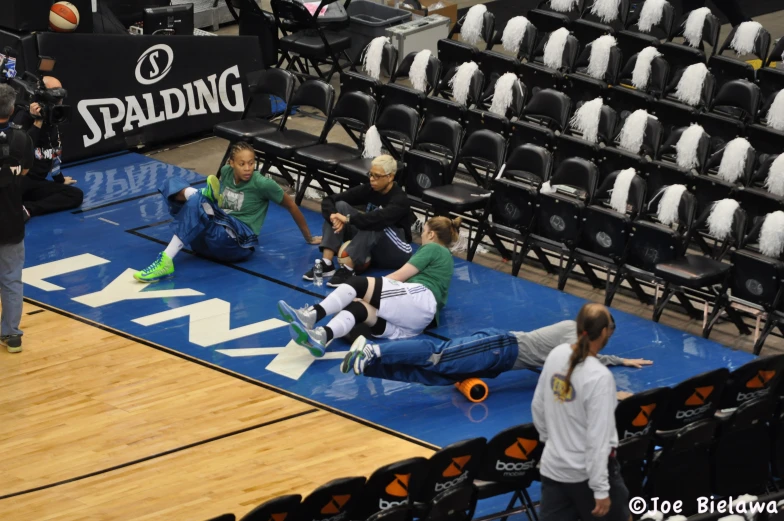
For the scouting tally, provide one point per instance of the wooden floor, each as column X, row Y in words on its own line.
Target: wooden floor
column 80, row 401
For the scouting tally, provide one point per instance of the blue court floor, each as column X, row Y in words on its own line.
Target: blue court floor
column 225, row 315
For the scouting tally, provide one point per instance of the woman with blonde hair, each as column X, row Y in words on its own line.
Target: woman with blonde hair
column 400, row 305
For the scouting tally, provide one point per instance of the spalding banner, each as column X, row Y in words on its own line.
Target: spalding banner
column 127, row 91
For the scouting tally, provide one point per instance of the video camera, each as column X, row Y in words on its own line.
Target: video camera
column 30, row 88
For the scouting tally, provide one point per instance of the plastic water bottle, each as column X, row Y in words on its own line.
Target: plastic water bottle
column 318, row 273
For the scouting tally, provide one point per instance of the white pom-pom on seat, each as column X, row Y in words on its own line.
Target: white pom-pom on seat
column 514, row 32
column 667, row 212
column 461, row 81
column 721, row 217
column 471, row 31
column 642, row 67
column 775, row 181
column 374, row 52
column 554, row 48
column 620, row 192
column 418, row 72
column 606, row 10
column 633, row 131
column 695, row 24
column 689, row 89
column 653, row 515
column 733, row 160
column 745, row 36
column 771, row 241
column 686, row 148
column 775, row 114
column 678, row 517
column 651, row 14
column 586, row 119
column 563, row 6
column 600, row 56
column 504, row 93
column 546, row 188
column 372, row 143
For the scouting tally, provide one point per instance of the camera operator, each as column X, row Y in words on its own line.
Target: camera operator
column 16, row 158
column 40, row 195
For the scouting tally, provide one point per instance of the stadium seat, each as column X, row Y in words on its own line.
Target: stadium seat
column 762, row 136
column 510, row 466
column 494, row 65
column 694, row 399
column 759, row 378
column 572, row 143
column 725, row 68
column 452, row 54
column 475, row 89
column 674, row 112
column 487, row 33
column 604, row 234
column 450, row 467
column 591, row 26
column 527, row 45
column 719, row 246
column 635, row 420
column 735, row 105
column 454, row 504
column 355, row 112
column 668, row 153
column 393, row 93
column 769, row 78
column 401, row 513
column 476, row 119
column 659, row 175
column 755, row 198
column 547, row 19
column 283, row 507
column 632, row 39
column 277, row 148
column 355, row 81
column 339, row 496
column 741, row 450
column 390, row 486
column 616, row 157
column 681, row 55
column 536, row 74
column 580, row 86
column 545, row 114
column 625, row 96
column 388, row 59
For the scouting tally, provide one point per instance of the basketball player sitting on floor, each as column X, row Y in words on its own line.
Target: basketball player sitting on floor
column 484, row 354
column 400, row 305
column 223, row 220
column 381, row 234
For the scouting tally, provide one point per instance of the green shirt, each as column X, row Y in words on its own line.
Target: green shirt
column 435, row 265
column 249, row 201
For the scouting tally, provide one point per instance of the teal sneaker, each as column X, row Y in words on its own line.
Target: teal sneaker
column 213, row 190
column 306, row 317
column 162, row 268
column 356, row 348
column 314, row 340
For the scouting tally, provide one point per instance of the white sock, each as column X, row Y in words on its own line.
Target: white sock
column 174, row 247
column 339, row 299
column 190, row 192
column 376, row 350
column 327, row 262
column 341, row 324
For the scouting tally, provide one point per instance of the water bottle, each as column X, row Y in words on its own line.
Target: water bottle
column 318, row 273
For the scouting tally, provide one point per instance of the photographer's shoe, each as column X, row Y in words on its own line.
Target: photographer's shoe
column 13, row 343
column 212, row 190
column 162, row 268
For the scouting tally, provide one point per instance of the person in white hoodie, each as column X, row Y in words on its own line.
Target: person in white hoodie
column 574, row 412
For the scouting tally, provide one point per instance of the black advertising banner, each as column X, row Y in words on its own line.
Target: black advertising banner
column 140, row 90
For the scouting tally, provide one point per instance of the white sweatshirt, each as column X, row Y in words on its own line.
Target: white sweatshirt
column 579, row 427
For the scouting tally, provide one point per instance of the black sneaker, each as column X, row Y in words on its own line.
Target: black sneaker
column 340, row 277
column 13, row 343
column 328, row 272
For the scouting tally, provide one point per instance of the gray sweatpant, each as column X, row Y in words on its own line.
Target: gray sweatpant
column 11, row 264
column 387, row 248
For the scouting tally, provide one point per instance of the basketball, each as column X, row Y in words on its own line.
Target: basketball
column 63, row 17
column 343, row 255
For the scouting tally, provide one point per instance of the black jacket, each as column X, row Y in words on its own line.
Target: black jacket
column 12, row 227
column 47, row 145
column 391, row 209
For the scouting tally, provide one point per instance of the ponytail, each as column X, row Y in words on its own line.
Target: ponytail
column 578, row 356
column 591, row 321
column 447, row 230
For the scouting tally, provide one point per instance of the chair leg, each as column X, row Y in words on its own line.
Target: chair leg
column 718, row 306
column 472, row 246
column 591, row 274
column 531, row 508
column 667, row 294
column 225, row 158
column 564, row 275
column 641, row 295
column 303, row 187
column 613, row 288
column 769, row 325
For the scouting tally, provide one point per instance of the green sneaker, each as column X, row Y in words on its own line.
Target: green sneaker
column 213, row 190
column 162, row 268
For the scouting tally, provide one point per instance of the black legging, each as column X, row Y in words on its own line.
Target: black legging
column 730, row 8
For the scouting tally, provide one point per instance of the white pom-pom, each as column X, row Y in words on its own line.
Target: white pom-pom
column 775, row 115
column 686, row 148
column 554, row 48
column 667, row 213
column 514, row 33
column 733, row 161
column 586, row 120
column 471, row 32
column 562, row 6
column 732, row 517
column 633, row 131
column 606, row 10
column 721, row 217
column 772, row 234
column 651, row 14
column 461, row 81
column 653, row 515
column 677, row 518
column 600, row 56
column 418, row 72
column 695, row 23
column 642, row 67
column 745, row 36
column 775, row 181
column 372, row 143
column 620, row 192
column 689, row 89
column 371, row 60
column 546, row 188
column 504, row 93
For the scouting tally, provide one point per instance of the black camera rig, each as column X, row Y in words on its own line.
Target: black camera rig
column 31, row 89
